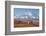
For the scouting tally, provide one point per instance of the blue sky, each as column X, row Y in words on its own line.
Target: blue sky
column 21, row 11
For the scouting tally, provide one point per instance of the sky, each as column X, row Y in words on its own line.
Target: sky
column 21, row 11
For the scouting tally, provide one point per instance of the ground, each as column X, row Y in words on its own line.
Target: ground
column 26, row 24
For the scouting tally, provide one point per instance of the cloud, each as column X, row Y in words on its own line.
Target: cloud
column 26, row 17
column 30, row 14
column 33, row 17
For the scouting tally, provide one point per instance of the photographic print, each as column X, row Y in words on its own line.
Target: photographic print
column 26, row 17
